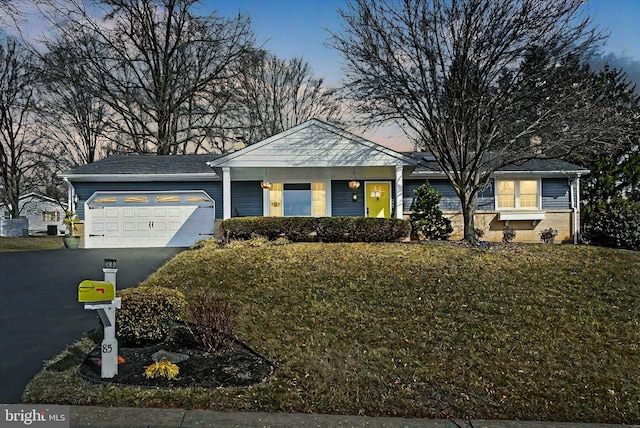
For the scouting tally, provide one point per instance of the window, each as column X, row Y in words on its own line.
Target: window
column 319, row 199
column 297, row 200
column 105, row 200
column 136, row 199
column 167, row 198
column 50, row 216
column 275, row 200
column 517, row 194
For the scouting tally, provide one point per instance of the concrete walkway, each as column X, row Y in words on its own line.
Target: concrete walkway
column 113, row 417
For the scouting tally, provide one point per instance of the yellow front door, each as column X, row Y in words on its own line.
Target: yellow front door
column 378, row 196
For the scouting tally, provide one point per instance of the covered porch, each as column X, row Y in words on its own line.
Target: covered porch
column 314, row 169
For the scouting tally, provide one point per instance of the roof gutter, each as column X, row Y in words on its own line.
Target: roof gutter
column 140, row 177
column 556, row 173
column 545, row 173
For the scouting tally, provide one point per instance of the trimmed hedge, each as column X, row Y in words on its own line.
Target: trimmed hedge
column 147, row 313
column 312, row 229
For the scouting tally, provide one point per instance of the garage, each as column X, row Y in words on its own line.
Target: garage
column 148, row 219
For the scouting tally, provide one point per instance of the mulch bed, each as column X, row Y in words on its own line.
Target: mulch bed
column 236, row 366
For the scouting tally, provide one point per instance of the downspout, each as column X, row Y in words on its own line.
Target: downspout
column 575, row 207
column 70, row 195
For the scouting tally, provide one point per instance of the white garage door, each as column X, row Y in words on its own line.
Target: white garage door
column 148, row 219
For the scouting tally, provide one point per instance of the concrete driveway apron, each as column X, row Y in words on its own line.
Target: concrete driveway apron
column 39, row 312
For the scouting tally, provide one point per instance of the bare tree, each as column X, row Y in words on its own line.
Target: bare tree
column 18, row 139
column 278, row 94
column 73, row 120
column 9, row 13
column 162, row 71
column 474, row 82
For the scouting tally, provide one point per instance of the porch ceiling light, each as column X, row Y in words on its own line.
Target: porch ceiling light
column 266, row 185
column 353, row 182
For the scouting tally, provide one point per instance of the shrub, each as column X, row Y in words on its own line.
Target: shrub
column 165, row 369
column 255, row 242
column 296, row 229
column 426, row 218
column 206, row 244
column 209, row 318
column 361, row 229
column 548, row 235
column 147, row 314
column 616, row 224
column 310, row 229
column 508, row 234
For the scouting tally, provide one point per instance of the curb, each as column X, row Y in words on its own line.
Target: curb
column 119, row 417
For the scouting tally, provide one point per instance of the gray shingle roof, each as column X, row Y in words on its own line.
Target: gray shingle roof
column 197, row 164
column 544, row 165
column 147, row 164
column 428, row 165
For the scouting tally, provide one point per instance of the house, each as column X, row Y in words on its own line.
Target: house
column 44, row 214
column 313, row 169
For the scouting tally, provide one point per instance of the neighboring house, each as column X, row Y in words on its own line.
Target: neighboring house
column 139, row 201
column 43, row 213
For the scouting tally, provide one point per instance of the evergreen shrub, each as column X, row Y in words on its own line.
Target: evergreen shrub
column 147, row 313
column 427, row 220
column 616, row 224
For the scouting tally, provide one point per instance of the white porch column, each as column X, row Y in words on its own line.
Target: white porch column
column 226, row 192
column 399, row 192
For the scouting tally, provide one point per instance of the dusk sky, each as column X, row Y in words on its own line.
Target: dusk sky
column 298, row 28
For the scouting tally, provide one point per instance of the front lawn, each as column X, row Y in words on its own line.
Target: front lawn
column 539, row 332
column 31, row 243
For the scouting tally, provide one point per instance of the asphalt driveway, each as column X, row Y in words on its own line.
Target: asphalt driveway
column 39, row 311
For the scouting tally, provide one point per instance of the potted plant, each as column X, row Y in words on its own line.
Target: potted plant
column 71, row 240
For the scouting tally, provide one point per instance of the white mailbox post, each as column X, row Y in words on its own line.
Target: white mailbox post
column 100, row 296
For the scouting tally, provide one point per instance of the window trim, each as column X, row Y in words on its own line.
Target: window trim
column 517, row 180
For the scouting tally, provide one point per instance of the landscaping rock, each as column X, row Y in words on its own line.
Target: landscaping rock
column 174, row 357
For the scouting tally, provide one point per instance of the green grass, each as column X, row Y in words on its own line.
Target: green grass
column 31, row 243
column 535, row 332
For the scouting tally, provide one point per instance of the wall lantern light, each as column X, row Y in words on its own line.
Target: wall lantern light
column 353, row 185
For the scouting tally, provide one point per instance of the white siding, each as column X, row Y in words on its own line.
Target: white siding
column 314, row 146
